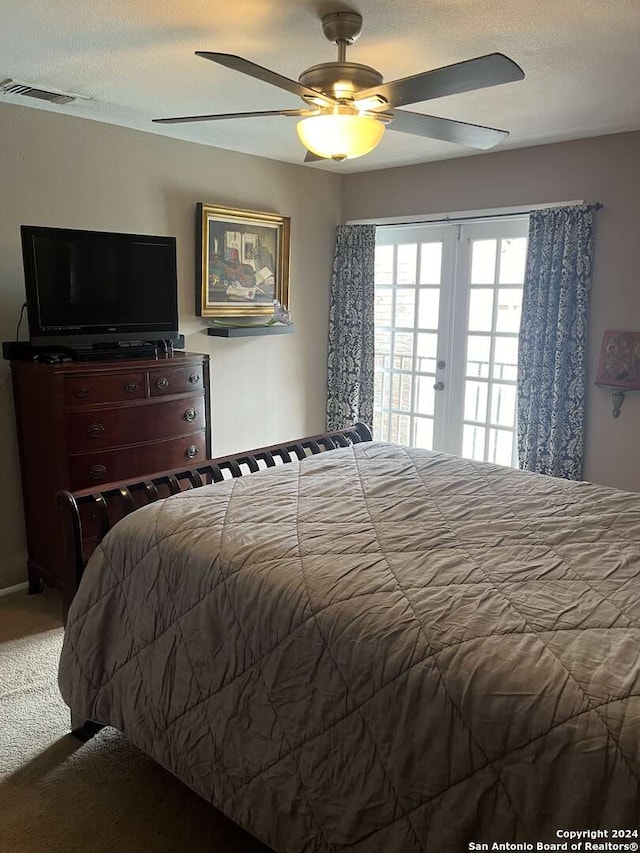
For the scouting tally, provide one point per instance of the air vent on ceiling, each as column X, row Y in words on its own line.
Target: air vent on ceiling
column 13, row 87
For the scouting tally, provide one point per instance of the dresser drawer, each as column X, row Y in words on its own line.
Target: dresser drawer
column 105, row 388
column 102, row 428
column 175, row 380
column 103, row 466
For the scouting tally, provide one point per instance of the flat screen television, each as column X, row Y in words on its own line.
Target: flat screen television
column 87, row 288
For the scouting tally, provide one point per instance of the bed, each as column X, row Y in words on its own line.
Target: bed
column 376, row 648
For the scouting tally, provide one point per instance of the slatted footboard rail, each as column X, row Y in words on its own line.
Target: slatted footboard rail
column 91, row 513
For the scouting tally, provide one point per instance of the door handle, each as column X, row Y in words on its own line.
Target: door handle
column 439, row 386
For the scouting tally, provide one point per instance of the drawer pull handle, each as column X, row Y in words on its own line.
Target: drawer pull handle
column 81, row 392
column 194, row 378
column 95, row 430
column 131, row 386
column 97, row 472
column 162, row 382
column 191, row 452
column 190, row 415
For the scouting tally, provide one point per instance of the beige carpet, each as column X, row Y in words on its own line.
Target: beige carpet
column 57, row 794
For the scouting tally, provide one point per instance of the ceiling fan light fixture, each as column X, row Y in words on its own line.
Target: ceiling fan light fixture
column 340, row 137
column 348, row 105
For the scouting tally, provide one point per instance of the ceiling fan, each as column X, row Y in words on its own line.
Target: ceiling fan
column 348, row 106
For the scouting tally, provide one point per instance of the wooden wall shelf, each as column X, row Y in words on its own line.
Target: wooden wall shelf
column 247, row 331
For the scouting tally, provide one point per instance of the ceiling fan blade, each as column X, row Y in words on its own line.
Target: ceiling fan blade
column 446, row 129
column 478, row 73
column 237, row 63
column 310, row 157
column 216, row 117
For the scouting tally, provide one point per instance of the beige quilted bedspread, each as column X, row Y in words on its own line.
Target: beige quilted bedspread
column 377, row 649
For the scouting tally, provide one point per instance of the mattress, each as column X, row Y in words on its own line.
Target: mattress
column 378, row 648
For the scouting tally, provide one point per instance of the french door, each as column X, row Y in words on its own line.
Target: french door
column 447, row 313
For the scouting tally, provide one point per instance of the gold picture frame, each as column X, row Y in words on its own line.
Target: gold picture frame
column 242, row 262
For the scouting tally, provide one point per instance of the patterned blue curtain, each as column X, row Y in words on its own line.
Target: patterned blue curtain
column 350, row 359
column 553, row 341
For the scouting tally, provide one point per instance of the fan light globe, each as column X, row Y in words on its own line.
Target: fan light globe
column 340, row 137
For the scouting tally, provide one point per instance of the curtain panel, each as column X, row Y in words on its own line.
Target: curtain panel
column 351, row 328
column 552, row 358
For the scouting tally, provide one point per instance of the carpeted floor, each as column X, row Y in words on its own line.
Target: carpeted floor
column 57, row 794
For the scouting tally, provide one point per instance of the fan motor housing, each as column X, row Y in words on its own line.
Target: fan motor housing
column 342, row 26
column 340, row 79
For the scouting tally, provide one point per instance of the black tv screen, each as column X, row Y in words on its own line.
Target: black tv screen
column 87, row 287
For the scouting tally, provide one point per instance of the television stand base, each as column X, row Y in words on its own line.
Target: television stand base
column 110, row 352
column 54, row 353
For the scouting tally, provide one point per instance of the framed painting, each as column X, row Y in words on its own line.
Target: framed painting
column 619, row 363
column 242, row 262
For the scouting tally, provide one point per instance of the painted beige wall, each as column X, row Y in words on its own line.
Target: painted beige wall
column 61, row 171
column 605, row 169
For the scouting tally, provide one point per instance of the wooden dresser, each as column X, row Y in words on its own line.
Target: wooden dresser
column 89, row 423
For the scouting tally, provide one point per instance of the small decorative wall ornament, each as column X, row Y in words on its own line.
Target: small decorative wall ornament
column 619, row 365
column 281, row 314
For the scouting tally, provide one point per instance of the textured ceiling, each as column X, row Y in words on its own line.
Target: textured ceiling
column 135, row 60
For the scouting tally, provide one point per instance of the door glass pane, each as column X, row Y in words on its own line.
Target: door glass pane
column 401, row 392
column 405, row 307
column 428, row 307
column 376, row 427
column 425, row 401
column 480, row 310
column 382, row 347
column 383, row 434
column 475, row 401
column 478, row 354
column 382, row 306
column 483, row 261
column 400, row 429
column 513, row 257
column 384, row 264
column 377, row 387
column 403, row 352
column 386, row 389
column 505, row 364
column 503, row 404
column 427, row 352
column 509, row 310
column 406, row 268
column 473, row 442
column 501, row 446
column 423, row 433
column 430, row 263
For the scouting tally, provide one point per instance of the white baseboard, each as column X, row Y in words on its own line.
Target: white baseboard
column 19, row 587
